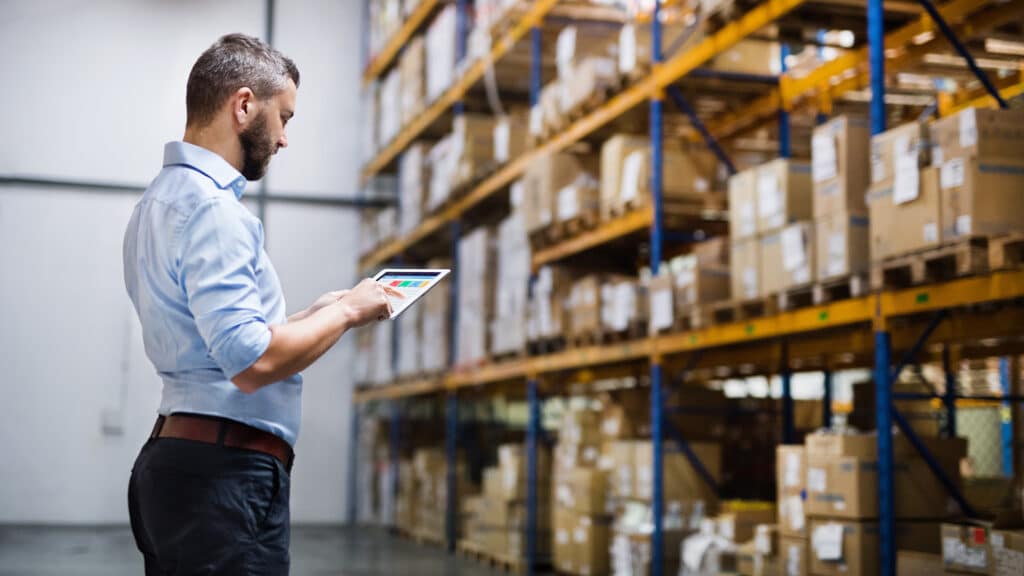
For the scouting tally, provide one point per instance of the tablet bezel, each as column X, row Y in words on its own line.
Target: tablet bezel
column 441, row 274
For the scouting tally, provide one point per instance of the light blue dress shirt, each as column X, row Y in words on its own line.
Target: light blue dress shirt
column 206, row 292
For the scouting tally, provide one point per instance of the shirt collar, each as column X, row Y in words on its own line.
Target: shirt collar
column 209, row 163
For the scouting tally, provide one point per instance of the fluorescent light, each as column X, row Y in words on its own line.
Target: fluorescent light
column 923, row 38
column 956, row 60
column 1007, row 47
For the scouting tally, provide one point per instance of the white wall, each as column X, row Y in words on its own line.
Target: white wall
column 100, row 86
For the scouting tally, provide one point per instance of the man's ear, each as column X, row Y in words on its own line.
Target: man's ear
column 244, row 107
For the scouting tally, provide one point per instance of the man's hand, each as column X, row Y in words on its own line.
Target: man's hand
column 325, row 300
column 368, row 301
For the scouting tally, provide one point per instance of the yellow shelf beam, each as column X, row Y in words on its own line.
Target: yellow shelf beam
column 606, row 232
column 455, row 92
column 845, row 314
column 664, row 75
column 383, row 59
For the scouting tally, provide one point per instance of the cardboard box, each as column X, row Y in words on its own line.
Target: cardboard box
column 589, row 76
column 581, row 542
column 1007, row 552
column 787, row 258
column 680, row 481
column 578, row 43
column 911, row 563
column 791, row 472
column 740, row 525
column 546, row 314
column 698, row 283
column 544, row 177
column 902, row 227
column 842, row 477
column 794, row 556
column 784, row 194
column 512, row 464
column 848, row 548
column 614, row 152
column 412, row 68
column 745, row 269
column 634, row 52
column 966, row 549
column 619, row 460
column 743, row 205
column 840, row 151
column 841, row 245
column 441, row 53
column 569, row 456
column 474, row 148
column 584, row 305
column 510, row 136
column 908, row 144
column 582, row 490
column 981, row 197
column 982, row 132
column 749, row 57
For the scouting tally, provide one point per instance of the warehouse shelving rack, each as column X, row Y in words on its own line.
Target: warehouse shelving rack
column 976, row 316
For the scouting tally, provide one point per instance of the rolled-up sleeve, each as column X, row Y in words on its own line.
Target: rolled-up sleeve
column 219, row 251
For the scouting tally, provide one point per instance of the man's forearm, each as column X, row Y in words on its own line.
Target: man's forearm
column 294, row 346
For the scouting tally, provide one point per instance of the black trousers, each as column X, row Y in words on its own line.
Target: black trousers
column 200, row 508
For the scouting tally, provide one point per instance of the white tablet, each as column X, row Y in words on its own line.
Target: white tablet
column 410, row 282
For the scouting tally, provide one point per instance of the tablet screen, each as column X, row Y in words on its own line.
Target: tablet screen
column 411, row 283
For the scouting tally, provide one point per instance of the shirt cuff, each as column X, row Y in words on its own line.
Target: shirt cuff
column 241, row 348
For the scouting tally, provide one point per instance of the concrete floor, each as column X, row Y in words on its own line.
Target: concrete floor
column 316, row 551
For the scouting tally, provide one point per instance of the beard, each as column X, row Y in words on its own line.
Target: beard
column 257, row 148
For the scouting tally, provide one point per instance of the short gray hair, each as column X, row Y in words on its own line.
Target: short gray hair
column 235, row 61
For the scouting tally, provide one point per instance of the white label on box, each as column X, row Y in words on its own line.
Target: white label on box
column 827, row 542
column 579, row 535
column 968, row 128
column 661, row 309
column 565, row 51
column 536, row 120
column 793, row 567
column 727, row 528
column 836, row 254
column 951, row 174
column 954, row 551
column 906, row 186
column 564, row 495
column 750, row 282
column 930, row 232
column 631, row 168
column 763, row 541
column 793, row 253
column 701, row 185
column 816, row 479
column 501, row 138
column 877, row 165
column 997, row 540
column 561, row 536
column 769, row 199
column 963, row 225
column 791, row 470
column 802, row 275
column 823, row 157
column 568, row 206
column 1009, row 562
column 747, row 223
column 794, row 506
column 627, row 48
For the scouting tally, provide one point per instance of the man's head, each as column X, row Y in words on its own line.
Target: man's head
column 242, row 85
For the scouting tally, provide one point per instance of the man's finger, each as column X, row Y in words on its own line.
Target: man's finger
column 393, row 292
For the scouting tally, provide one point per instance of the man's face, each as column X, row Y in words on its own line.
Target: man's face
column 265, row 135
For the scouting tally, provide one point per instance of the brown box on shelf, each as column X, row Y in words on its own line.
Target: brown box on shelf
column 510, row 136
column 983, row 132
column 740, row 525
column 862, row 415
column 783, row 194
column 614, row 152
column 982, row 197
column 474, row 137
column 582, row 490
column 842, row 476
column 697, row 283
column 745, row 269
column 1007, row 552
column 840, row 151
column 544, row 177
column 584, row 305
column 412, row 70
column 749, row 57
column 512, row 465
column 906, row 145
column 787, row 258
column 911, row 563
column 589, row 77
column 581, row 542
column 966, row 549
column 743, row 205
column 791, row 471
column 580, row 427
column 635, row 44
column 794, row 556
column 572, row 455
column 841, row 245
column 618, row 459
column 908, row 226
column 680, row 480
column 847, row 548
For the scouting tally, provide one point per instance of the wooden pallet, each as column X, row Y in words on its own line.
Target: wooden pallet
column 561, row 231
column 839, row 288
column 1006, row 252
column 476, row 552
column 508, row 355
column 546, row 346
column 674, row 207
column 592, row 102
column 635, row 330
column 692, row 317
column 740, row 310
column 795, row 297
column 427, row 539
column 964, row 257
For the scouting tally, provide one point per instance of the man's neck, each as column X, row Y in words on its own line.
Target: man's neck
column 216, row 141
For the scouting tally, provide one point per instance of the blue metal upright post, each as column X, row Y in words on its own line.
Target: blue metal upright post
column 785, row 150
column 353, row 463
column 949, row 395
column 657, row 495
column 657, row 406
column 876, row 60
column 461, row 38
column 788, row 429
column 394, row 435
column 1006, row 416
column 455, row 230
column 536, row 63
column 826, row 400
column 452, row 492
column 532, row 437
column 883, row 416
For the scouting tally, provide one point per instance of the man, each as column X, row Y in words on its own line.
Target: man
column 209, row 491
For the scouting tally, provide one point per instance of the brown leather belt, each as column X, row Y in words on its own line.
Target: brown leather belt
column 214, row 430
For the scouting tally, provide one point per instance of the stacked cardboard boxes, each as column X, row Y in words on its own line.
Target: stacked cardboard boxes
column 431, row 491
column 840, row 166
column 581, row 520
column 434, row 324
column 413, row 178
column 692, row 280
column 500, row 523
column 508, row 327
column 546, row 316
column 389, row 113
column 772, row 236
column 722, row 542
column 606, row 303
column 511, row 133
column 583, row 59
column 476, row 293
column 842, row 498
column 441, row 53
column 410, row 336
column 625, row 173
column 989, row 547
column 412, row 70
column 545, row 179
